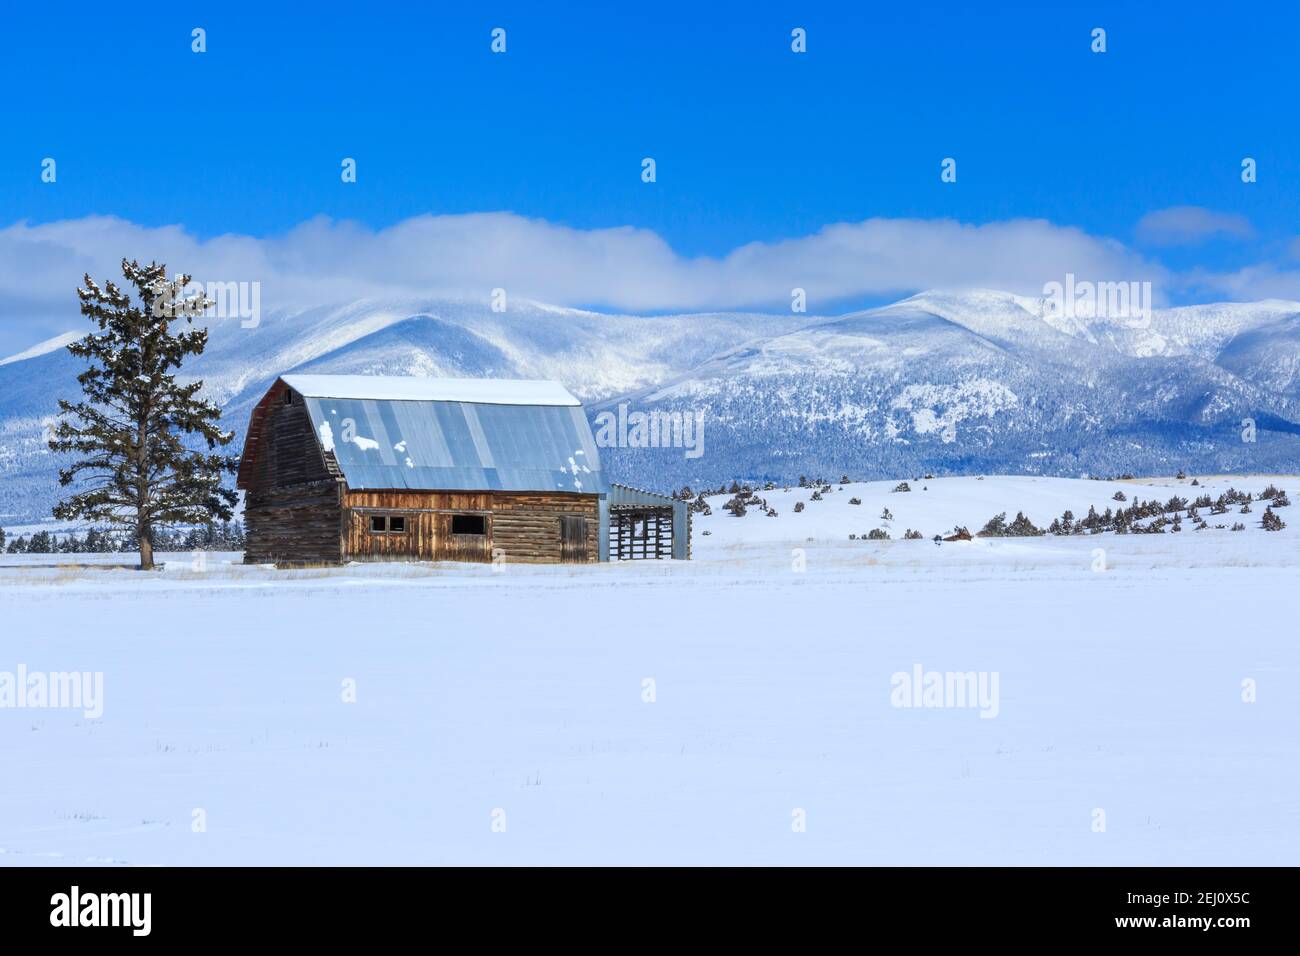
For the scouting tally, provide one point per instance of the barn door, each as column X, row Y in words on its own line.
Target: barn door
column 573, row 538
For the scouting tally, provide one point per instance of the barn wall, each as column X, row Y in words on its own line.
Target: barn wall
column 299, row 524
column 525, row 528
column 288, row 451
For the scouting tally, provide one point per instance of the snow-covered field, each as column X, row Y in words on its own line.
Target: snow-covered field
column 738, row 708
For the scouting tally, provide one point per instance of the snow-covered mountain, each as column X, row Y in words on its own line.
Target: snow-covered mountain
column 974, row 381
column 991, row 382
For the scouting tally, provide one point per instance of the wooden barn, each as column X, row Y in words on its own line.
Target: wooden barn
column 343, row 468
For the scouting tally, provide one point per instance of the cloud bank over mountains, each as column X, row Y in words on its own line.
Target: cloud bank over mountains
column 624, row 269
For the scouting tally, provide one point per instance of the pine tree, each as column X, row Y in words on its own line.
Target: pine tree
column 135, row 418
column 2, row 538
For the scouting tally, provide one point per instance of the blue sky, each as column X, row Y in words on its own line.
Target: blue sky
column 753, row 143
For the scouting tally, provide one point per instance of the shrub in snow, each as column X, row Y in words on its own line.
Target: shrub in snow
column 1281, row 501
column 798, row 506
column 1120, row 496
column 1022, row 527
column 844, row 479
column 1238, row 527
column 886, row 515
column 1271, row 521
column 816, row 496
column 910, row 535
column 855, row 501
column 903, row 486
column 853, row 537
column 878, row 534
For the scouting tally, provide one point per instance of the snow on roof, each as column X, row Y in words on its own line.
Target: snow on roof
column 480, row 391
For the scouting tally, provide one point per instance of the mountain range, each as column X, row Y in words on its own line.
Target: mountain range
column 971, row 382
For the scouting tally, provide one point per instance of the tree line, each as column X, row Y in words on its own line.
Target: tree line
column 226, row 536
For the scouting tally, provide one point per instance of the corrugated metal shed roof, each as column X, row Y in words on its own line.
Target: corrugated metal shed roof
column 627, row 495
column 439, row 445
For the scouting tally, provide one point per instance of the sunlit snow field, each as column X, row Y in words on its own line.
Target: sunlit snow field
column 502, row 716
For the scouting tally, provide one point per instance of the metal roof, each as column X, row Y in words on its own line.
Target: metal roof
column 627, row 495
column 457, row 445
column 410, row 388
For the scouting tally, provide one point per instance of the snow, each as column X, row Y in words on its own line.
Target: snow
column 50, row 345
column 402, row 388
column 44, row 348
column 519, row 693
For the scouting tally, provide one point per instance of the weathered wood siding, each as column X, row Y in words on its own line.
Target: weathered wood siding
column 298, row 524
column 524, row 528
column 288, row 452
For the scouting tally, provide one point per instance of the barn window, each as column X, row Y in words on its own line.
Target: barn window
column 288, row 397
column 468, row 524
column 390, row 524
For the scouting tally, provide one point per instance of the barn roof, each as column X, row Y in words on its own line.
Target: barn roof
column 409, row 388
column 453, row 434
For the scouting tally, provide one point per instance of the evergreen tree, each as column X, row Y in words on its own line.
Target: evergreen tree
column 2, row 538
column 1271, row 521
column 996, row 527
column 132, row 424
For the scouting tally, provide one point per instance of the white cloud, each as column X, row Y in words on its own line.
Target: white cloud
column 1191, row 225
column 623, row 269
